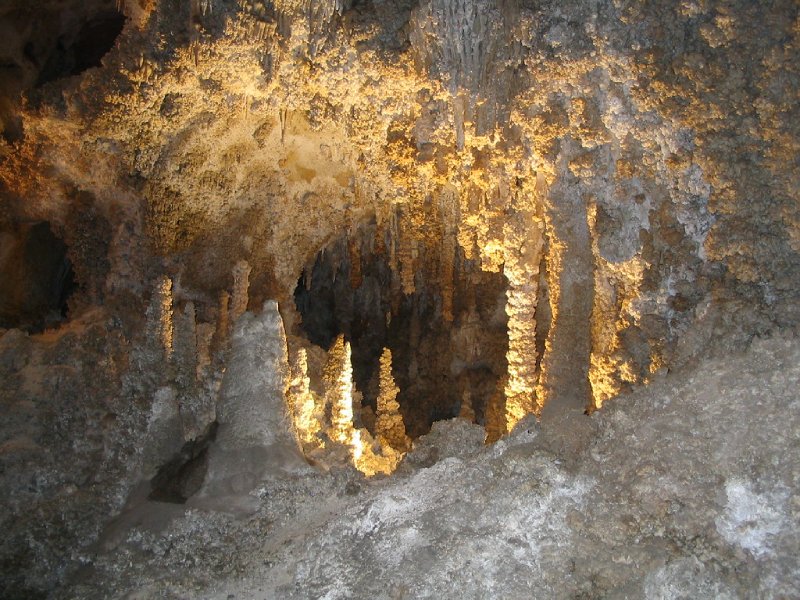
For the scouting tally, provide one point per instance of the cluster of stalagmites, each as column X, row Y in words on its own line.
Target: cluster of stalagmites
column 184, row 352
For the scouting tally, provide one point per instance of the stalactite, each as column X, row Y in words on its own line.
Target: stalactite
column 223, row 324
column 414, row 334
column 495, row 415
column 241, row 284
column 448, row 210
column 405, row 253
column 393, row 237
column 201, row 8
column 394, row 261
column 462, row 42
column 319, row 16
column 379, row 243
column 159, row 318
column 466, row 411
column 354, row 255
column 283, row 117
column 458, row 121
column 302, row 403
column 389, row 427
column 523, row 241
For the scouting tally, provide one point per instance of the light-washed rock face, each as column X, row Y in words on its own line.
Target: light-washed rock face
column 252, row 406
column 210, row 135
column 750, row 519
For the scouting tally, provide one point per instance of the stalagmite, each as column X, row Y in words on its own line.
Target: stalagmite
column 338, row 380
column 223, row 324
column 302, row 402
column 254, row 442
column 205, row 334
column 495, row 416
column 466, row 411
column 389, row 427
column 185, row 343
column 196, row 407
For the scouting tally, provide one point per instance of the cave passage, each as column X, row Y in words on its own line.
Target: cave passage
column 37, row 277
column 353, row 289
column 75, row 52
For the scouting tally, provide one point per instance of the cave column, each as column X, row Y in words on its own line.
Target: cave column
column 564, row 382
column 523, row 240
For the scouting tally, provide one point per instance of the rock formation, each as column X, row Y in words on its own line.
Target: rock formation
column 338, row 378
column 522, row 209
column 389, row 427
column 304, row 406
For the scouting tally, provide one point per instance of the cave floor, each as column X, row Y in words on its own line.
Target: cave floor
column 689, row 488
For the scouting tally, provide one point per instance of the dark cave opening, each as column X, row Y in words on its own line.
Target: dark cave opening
column 353, row 289
column 75, row 52
column 37, row 278
column 182, row 476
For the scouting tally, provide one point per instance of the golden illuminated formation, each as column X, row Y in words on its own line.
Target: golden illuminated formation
column 523, row 253
column 389, row 427
column 338, row 379
column 159, row 316
column 368, row 455
column 303, row 404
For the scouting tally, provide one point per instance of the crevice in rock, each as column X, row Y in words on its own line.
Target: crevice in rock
column 182, row 476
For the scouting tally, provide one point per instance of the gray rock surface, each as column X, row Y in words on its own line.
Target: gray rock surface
column 255, row 441
column 688, row 490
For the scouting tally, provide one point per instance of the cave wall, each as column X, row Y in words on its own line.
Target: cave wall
column 628, row 168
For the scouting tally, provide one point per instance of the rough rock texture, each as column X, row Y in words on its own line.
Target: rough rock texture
column 255, row 440
column 536, row 205
column 389, row 426
column 690, row 490
column 651, row 143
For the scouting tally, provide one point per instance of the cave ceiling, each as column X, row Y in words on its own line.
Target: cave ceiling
column 632, row 166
